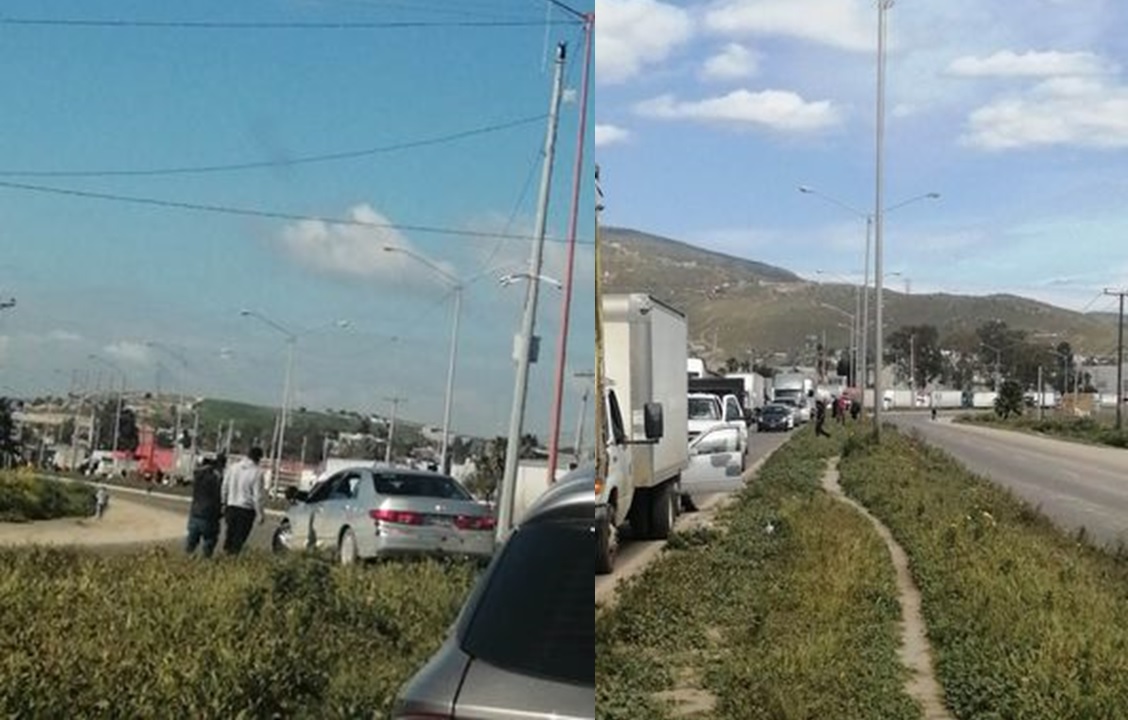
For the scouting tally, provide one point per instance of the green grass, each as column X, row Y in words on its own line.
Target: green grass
column 1025, row 622
column 1091, row 430
column 800, row 622
column 154, row 634
column 25, row 497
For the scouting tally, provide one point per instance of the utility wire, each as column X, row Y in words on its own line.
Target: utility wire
column 256, row 165
column 568, row 9
column 260, row 25
column 274, row 215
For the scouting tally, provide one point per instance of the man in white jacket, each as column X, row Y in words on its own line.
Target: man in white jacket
column 242, row 500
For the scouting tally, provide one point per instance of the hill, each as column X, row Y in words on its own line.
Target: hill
column 737, row 307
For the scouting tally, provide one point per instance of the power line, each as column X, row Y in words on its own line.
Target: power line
column 260, row 25
column 274, row 215
column 568, row 9
column 257, row 165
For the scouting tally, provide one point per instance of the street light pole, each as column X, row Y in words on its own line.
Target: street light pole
column 878, row 214
column 457, row 285
column 444, row 456
column 524, row 341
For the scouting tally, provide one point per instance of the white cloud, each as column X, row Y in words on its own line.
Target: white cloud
column 128, row 351
column 843, row 24
column 1007, row 63
column 352, row 250
column 632, row 34
column 610, row 134
column 1081, row 112
column 733, row 62
column 775, row 109
column 63, row 336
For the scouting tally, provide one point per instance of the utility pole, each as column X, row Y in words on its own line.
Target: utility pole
column 1119, row 360
column 566, row 301
column 395, row 401
column 524, row 343
column 1041, row 396
column 863, row 352
column 912, row 367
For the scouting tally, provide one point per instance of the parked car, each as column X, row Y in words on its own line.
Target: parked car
column 800, row 410
column 368, row 512
column 523, row 644
column 776, row 416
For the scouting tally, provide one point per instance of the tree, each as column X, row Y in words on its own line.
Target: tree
column 1010, row 400
column 364, row 427
column 844, row 365
column 66, row 431
column 490, row 465
column 916, row 348
column 128, row 437
column 732, row 365
column 9, row 440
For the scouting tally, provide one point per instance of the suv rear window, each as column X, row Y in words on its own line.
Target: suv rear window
column 534, row 617
column 433, row 486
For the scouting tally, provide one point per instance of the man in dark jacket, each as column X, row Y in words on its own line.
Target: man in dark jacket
column 207, row 501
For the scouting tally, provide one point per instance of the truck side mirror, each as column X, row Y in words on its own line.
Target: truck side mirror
column 652, row 421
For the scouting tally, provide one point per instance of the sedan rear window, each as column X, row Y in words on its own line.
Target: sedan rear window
column 534, row 617
column 432, row 486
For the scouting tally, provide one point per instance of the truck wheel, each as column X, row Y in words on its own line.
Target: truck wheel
column 606, row 545
column 662, row 512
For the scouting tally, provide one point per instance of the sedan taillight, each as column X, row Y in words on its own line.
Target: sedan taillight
column 397, row 517
column 474, row 522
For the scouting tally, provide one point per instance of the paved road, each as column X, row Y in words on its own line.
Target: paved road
column 1075, row 485
column 260, row 535
column 634, row 556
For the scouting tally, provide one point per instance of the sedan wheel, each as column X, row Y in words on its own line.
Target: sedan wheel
column 348, row 547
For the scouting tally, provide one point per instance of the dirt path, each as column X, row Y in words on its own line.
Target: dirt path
column 125, row 522
column 915, row 651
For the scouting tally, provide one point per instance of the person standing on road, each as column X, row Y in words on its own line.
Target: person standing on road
column 207, row 499
column 101, row 500
column 242, row 498
column 820, row 417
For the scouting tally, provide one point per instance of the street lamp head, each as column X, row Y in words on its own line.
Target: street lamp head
column 391, row 248
column 805, row 189
column 933, row 196
column 245, row 312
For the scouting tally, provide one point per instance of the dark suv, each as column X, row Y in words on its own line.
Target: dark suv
column 524, row 644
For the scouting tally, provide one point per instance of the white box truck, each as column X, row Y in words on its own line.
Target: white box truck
column 645, row 404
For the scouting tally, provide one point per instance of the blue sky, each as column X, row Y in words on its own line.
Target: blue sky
column 711, row 114
column 95, row 276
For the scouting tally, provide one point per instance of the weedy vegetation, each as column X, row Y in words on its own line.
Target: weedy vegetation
column 1025, row 621
column 786, row 608
column 156, row 634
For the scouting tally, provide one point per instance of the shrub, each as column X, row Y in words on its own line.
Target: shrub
column 25, row 497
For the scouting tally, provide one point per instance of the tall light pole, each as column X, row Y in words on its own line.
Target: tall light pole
column 863, row 353
column 879, row 215
column 998, row 356
column 121, row 393
column 457, row 286
column 179, row 357
column 524, row 341
column 853, row 323
column 395, row 401
column 291, row 343
column 855, row 327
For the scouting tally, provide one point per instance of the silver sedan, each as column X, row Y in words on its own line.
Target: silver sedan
column 365, row 512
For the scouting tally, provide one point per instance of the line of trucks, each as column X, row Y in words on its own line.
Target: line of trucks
column 655, row 455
